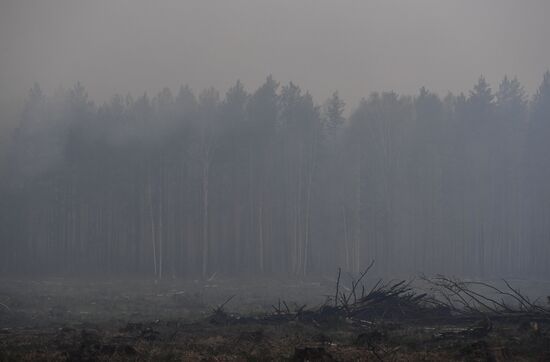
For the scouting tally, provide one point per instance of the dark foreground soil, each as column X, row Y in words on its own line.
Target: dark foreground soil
column 60, row 320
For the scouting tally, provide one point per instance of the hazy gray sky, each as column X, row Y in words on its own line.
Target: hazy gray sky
column 353, row 46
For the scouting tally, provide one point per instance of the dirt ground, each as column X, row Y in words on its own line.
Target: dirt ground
column 175, row 320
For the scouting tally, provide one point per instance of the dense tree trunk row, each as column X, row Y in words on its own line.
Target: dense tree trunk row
column 270, row 183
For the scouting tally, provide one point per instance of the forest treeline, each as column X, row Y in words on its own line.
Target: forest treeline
column 268, row 182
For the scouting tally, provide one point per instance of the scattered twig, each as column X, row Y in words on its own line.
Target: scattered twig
column 287, row 308
column 220, row 307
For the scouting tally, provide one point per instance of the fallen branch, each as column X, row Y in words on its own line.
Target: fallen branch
column 219, row 309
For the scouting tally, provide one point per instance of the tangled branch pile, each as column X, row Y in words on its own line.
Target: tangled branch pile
column 399, row 300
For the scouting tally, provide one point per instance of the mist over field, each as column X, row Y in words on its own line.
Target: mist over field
column 162, row 161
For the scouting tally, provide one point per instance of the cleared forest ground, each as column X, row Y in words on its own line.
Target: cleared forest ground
column 265, row 319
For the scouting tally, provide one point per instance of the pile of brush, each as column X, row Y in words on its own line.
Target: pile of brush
column 446, row 299
column 386, row 300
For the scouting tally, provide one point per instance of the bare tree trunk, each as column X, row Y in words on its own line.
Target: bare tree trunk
column 261, row 233
column 357, row 236
column 312, row 169
column 160, row 229
column 346, row 237
column 205, row 207
column 153, row 231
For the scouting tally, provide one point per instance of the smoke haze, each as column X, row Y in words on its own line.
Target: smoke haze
column 354, row 46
